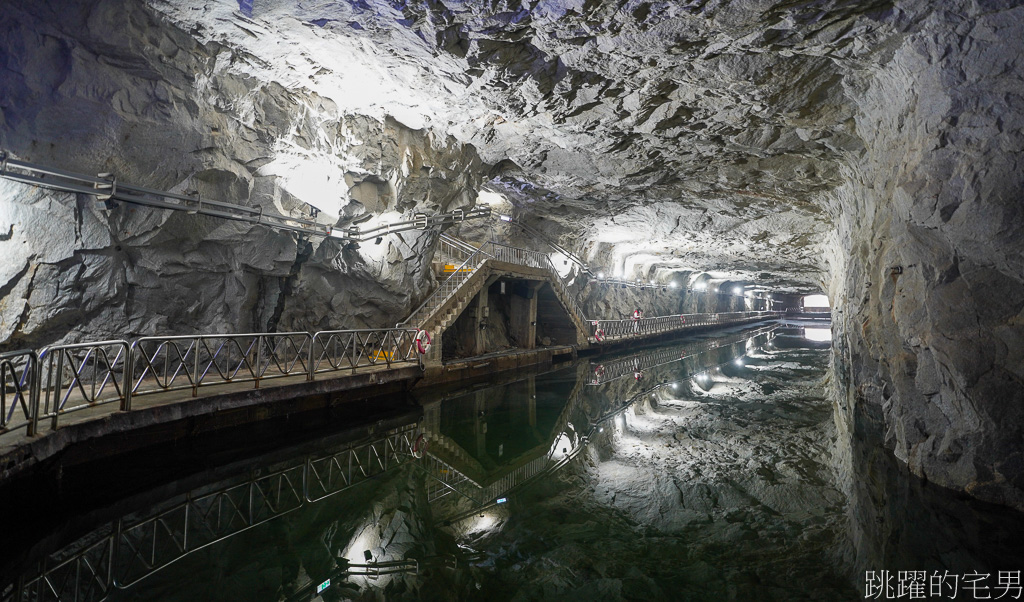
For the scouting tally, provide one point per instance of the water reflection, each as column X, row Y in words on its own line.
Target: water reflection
column 697, row 470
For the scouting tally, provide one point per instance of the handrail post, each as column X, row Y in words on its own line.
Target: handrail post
column 129, row 374
column 60, row 382
column 33, row 396
column 309, row 367
column 195, row 366
column 259, row 359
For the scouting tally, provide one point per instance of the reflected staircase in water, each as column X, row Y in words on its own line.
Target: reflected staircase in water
column 452, row 471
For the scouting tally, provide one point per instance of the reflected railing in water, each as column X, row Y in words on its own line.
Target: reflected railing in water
column 122, row 553
column 447, row 479
column 607, row 371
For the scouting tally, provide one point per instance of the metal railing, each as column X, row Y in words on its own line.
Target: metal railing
column 18, row 381
column 81, row 376
column 446, row 289
column 454, row 249
column 135, row 546
column 190, row 362
column 351, row 349
column 446, row 479
column 644, row 327
column 524, row 257
column 474, row 259
column 609, row 370
column 62, row 379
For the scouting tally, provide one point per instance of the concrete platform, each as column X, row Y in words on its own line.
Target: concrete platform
column 499, row 361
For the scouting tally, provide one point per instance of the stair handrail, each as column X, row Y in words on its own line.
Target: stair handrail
column 539, row 259
column 462, row 245
column 459, row 274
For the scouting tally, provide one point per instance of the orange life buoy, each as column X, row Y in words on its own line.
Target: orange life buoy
column 599, row 335
column 638, row 375
column 419, row 446
column 423, row 342
column 637, row 314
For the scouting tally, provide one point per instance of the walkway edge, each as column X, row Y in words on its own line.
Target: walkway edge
column 143, row 427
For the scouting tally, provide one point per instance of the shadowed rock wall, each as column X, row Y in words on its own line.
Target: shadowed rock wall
column 110, row 86
column 791, row 144
column 927, row 258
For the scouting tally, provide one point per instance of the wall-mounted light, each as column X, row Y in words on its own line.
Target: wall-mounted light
column 738, row 290
column 505, row 218
column 600, row 275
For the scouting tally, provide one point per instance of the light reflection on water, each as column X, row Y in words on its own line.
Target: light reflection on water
column 697, row 470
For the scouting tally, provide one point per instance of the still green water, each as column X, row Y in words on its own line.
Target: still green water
column 707, row 469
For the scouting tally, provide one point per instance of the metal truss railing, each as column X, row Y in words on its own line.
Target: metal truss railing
column 81, row 376
column 613, row 330
column 130, row 549
column 18, row 381
column 352, row 349
column 607, row 371
column 474, row 259
column 62, row 379
column 610, row 329
column 190, row 362
column 446, row 479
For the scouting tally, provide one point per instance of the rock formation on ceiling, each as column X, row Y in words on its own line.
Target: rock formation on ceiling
column 870, row 149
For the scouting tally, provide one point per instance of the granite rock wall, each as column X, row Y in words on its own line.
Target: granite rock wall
column 926, row 260
column 868, row 149
column 111, row 86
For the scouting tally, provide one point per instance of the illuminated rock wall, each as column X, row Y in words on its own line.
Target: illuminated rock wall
column 801, row 146
column 113, row 87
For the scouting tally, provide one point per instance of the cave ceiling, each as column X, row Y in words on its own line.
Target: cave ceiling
column 669, row 136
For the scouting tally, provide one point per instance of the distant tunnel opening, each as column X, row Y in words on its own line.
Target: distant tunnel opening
column 815, row 304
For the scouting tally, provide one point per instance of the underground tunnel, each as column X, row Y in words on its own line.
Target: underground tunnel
column 511, row 300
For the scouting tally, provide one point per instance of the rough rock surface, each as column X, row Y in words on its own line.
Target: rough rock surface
column 926, row 259
column 801, row 146
column 112, row 86
column 708, row 492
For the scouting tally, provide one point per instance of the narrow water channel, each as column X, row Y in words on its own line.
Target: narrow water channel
column 704, row 469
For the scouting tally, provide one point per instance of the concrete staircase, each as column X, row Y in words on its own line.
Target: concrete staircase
column 466, row 278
